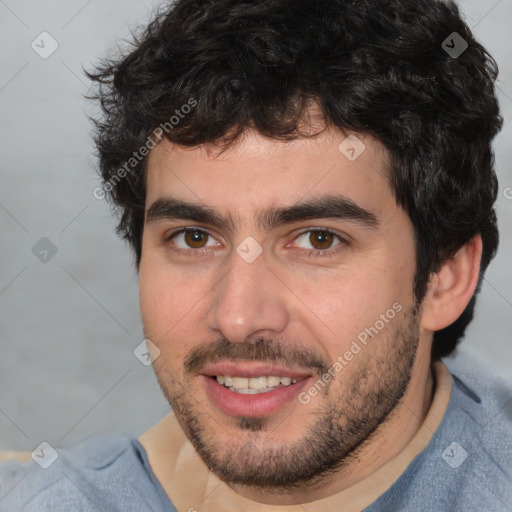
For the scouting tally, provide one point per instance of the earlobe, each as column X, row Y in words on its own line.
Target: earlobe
column 451, row 289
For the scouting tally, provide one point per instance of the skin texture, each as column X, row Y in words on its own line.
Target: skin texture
column 294, row 309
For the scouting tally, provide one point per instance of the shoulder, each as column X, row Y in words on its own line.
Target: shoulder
column 482, row 419
column 482, row 406
column 467, row 466
column 104, row 472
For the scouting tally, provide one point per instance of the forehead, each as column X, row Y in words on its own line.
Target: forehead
column 257, row 172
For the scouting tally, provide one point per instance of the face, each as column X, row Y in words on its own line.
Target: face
column 276, row 281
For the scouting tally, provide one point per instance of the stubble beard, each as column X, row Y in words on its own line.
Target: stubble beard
column 341, row 427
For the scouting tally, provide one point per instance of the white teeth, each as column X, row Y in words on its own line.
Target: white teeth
column 240, row 382
column 249, row 391
column 258, row 383
column 263, row 383
column 273, row 382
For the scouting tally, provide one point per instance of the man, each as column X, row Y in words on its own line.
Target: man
column 308, row 188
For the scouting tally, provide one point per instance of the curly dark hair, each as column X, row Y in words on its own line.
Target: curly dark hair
column 373, row 66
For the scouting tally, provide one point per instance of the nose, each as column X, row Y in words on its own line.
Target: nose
column 249, row 300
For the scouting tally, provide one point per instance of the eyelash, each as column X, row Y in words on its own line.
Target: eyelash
column 318, row 253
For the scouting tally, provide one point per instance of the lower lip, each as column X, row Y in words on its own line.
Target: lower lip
column 252, row 406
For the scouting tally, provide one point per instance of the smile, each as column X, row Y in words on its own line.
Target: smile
column 254, row 385
column 236, row 396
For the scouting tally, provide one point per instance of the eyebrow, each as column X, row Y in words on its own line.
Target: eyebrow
column 325, row 207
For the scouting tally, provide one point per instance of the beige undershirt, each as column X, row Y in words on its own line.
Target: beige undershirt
column 190, row 485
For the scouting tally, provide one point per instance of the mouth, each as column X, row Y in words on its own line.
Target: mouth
column 251, row 391
column 254, row 385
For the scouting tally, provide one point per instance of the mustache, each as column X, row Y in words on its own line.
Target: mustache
column 260, row 349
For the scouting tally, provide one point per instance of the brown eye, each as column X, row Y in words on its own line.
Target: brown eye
column 321, row 239
column 190, row 239
column 319, row 242
column 195, row 239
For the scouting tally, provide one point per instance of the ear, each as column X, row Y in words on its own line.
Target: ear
column 450, row 289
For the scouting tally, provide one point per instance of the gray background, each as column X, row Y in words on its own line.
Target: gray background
column 69, row 325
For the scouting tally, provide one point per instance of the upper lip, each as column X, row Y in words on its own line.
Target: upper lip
column 250, row 369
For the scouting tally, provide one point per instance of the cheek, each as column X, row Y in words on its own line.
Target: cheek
column 170, row 305
column 158, row 303
column 164, row 295
column 155, row 299
column 339, row 306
